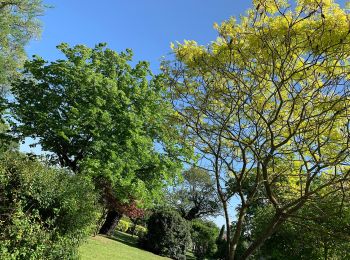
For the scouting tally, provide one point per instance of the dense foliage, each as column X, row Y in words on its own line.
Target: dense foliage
column 101, row 117
column 167, row 234
column 221, row 245
column 44, row 212
column 265, row 107
column 204, row 235
column 18, row 24
column 123, row 225
column 319, row 231
column 127, row 226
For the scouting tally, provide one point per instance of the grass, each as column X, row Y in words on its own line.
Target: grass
column 122, row 246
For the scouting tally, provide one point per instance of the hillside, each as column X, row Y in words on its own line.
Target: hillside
column 120, row 247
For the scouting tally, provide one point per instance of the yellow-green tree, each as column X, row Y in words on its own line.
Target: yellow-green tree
column 266, row 106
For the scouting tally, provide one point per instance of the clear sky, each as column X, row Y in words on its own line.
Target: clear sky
column 146, row 26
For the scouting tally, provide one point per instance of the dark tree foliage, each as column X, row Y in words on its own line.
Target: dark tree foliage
column 319, row 231
column 168, row 235
column 221, row 245
column 196, row 196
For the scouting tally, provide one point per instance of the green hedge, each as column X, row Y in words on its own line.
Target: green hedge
column 45, row 212
column 204, row 235
column 140, row 230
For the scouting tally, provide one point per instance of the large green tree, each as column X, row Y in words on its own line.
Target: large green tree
column 101, row 117
column 266, row 106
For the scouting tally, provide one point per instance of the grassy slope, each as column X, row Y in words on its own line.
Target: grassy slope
column 121, row 247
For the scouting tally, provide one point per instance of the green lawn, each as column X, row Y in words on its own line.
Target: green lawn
column 122, row 246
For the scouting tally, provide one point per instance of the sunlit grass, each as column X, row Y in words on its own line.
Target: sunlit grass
column 123, row 246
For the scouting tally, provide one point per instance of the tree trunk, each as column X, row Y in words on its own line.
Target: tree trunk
column 238, row 231
column 110, row 223
column 192, row 214
column 100, row 222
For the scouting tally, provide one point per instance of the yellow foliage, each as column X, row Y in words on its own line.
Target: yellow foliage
column 280, row 73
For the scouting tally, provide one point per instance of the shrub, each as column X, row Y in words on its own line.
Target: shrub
column 167, row 234
column 204, row 234
column 44, row 212
column 123, row 225
column 140, row 231
column 137, row 230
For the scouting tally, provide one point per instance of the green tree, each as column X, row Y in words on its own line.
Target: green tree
column 221, row 245
column 100, row 117
column 18, row 25
column 267, row 107
column 196, row 196
column 204, row 235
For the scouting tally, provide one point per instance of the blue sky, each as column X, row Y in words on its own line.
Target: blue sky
column 146, row 26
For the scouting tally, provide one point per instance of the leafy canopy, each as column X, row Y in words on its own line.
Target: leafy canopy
column 99, row 116
column 18, row 24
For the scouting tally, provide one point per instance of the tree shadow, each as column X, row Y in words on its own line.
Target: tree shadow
column 132, row 241
column 125, row 239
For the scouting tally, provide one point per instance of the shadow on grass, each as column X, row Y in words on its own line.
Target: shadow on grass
column 132, row 241
column 125, row 239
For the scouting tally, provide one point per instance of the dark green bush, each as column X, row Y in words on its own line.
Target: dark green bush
column 204, row 235
column 167, row 234
column 221, row 245
column 44, row 212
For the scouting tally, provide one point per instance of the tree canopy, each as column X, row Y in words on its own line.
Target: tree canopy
column 101, row 117
column 196, row 196
column 18, row 25
column 266, row 106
